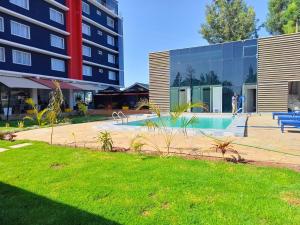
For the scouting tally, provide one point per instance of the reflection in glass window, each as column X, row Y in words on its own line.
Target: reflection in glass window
column 250, row 50
column 197, row 72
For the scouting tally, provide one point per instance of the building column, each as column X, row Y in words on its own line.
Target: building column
column 74, row 40
column 34, row 95
column 71, row 99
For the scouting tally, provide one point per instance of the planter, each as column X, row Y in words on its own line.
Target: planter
column 7, row 111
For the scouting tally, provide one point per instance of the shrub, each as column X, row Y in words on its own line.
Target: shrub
column 137, row 144
column 21, row 124
column 82, row 108
column 106, row 141
column 226, row 147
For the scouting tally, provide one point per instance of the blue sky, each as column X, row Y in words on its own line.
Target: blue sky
column 156, row 25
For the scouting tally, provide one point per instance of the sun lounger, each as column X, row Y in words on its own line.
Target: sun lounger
column 290, row 123
column 280, row 118
column 285, row 114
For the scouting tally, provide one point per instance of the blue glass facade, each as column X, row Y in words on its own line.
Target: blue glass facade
column 213, row 73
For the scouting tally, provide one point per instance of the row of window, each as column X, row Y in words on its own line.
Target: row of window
column 24, row 58
column 58, row 17
column 88, row 71
column 23, row 31
column 86, row 29
column 86, row 9
column 87, row 51
column 55, row 15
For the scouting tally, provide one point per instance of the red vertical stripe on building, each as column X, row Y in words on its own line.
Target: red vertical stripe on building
column 74, row 41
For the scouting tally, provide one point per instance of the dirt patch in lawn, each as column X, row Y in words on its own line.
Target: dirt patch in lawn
column 291, row 198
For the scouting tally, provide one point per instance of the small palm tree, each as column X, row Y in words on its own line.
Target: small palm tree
column 226, row 147
column 176, row 115
column 137, row 143
column 106, row 141
column 38, row 116
column 54, row 107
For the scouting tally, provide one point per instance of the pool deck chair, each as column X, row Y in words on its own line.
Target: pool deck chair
column 285, row 114
column 280, row 118
column 290, row 123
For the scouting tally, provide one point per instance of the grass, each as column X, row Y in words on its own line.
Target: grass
column 13, row 125
column 53, row 185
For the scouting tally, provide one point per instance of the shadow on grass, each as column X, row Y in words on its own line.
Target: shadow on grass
column 20, row 207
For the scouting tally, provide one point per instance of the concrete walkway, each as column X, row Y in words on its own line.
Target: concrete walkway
column 263, row 134
column 17, row 146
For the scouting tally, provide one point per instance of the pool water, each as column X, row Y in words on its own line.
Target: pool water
column 200, row 123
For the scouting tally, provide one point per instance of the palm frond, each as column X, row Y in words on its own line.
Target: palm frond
column 151, row 124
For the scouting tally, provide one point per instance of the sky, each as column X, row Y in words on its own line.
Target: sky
column 157, row 25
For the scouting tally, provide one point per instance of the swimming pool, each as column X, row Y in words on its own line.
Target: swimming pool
column 215, row 123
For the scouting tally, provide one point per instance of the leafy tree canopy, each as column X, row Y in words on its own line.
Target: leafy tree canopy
column 228, row 20
column 292, row 17
column 283, row 17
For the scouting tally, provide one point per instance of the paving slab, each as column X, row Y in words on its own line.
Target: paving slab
column 20, row 145
column 3, row 149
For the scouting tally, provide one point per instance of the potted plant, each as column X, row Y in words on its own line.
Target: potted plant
column 125, row 107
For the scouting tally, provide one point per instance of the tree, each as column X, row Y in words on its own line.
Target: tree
column 228, row 20
column 276, row 16
column 292, row 17
column 54, row 107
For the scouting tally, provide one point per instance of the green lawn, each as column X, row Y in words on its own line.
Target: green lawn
column 43, row 185
column 13, row 125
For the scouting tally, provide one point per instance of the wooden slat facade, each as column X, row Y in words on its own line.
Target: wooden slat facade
column 278, row 63
column 159, row 71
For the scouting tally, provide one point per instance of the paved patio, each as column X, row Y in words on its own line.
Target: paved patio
column 263, row 134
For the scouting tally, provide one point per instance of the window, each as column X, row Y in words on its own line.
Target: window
column 1, row 24
column 110, row 22
column 85, row 8
column 87, row 71
column 56, row 16
column 99, row 12
column 58, row 65
column 20, row 30
column 57, row 41
column 111, row 58
column 2, row 54
column 100, row 52
column 110, row 40
column 22, row 3
column 86, row 29
column 22, row 58
column 112, row 75
column 86, row 51
column 250, row 50
column 99, row 32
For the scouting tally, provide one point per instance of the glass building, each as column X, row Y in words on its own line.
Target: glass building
column 213, row 74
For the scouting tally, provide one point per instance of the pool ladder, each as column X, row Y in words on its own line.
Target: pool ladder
column 119, row 116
